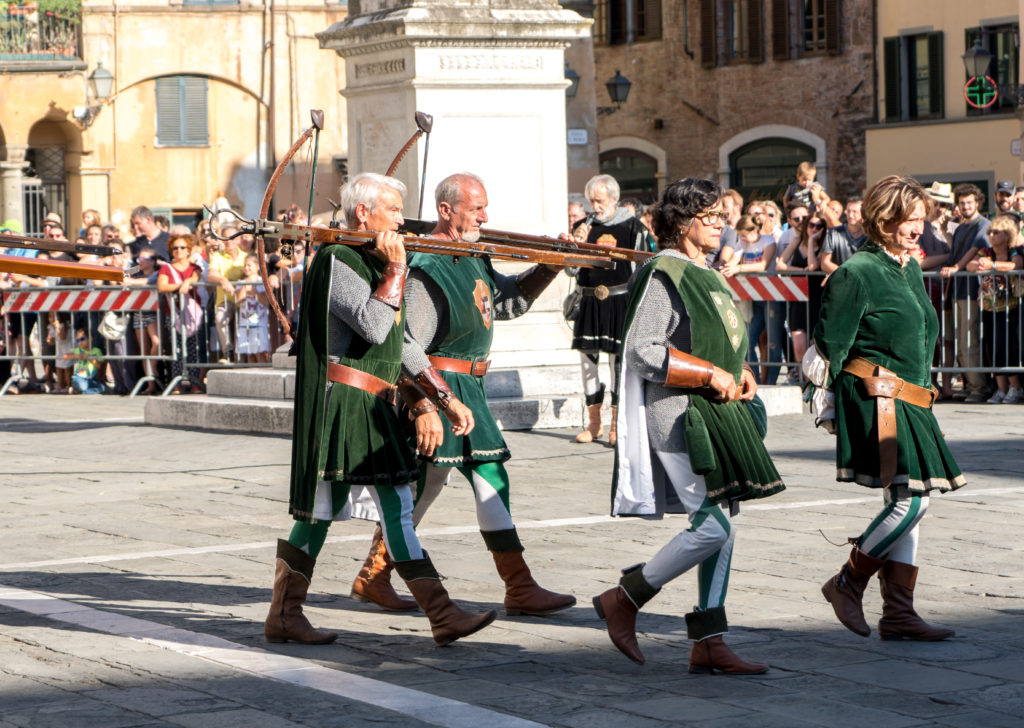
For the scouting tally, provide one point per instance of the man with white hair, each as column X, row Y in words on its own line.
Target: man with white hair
column 598, row 327
column 346, row 432
column 450, row 325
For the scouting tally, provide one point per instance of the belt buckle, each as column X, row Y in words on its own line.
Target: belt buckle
column 482, row 363
column 601, row 292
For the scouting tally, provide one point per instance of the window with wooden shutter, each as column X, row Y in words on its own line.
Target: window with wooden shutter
column 647, row 19
column 891, row 65
column 755, row 31
column 913, row 83
column 600, row 26
column 833, row 40
column 781, row 43
column 708, row 33
column 181, row 111
column 1002, row 42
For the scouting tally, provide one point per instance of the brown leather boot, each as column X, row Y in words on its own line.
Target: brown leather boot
column 285, row 621
column 619, row 606
column 523, row 595
column 899, row 620
column 373, row 583
column 447, row 622
column 712, row 654
column 845, row 590
column 709, row 652
column 612, row 434
column 594, row 428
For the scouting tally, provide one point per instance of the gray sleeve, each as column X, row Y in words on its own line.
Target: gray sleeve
column 426, row 320
column 654, row 329
column 350, row 301
column 509, row 301
column 828, row 246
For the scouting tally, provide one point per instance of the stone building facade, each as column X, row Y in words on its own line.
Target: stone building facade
column 737, row 90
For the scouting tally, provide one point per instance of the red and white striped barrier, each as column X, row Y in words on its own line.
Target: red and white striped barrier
column 769, row 288
column 93, row 299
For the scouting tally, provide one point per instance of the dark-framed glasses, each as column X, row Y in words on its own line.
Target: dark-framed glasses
column 710, row 218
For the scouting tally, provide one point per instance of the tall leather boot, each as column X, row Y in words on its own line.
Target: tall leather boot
column 709, row 652
column 373, row 583
column 285, row 621
column 845, row 590
column 899, row 620
column 447, row 622
column 612, row 433
column 619, row 606
column 523, row 595
column 594, row 428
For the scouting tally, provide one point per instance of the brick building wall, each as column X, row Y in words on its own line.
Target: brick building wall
column 691, row 107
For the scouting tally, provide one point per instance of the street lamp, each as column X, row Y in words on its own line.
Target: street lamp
column 618, row 90
column 574, row 82
column 101, row 84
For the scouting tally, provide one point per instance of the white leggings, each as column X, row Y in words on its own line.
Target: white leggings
column 893, row 534
column 492, row 513
column 591, row 375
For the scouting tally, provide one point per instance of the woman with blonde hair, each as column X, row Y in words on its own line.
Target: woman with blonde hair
column 875, row 339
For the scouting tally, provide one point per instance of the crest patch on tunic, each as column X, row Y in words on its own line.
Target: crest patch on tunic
column 608, row 240
column 729, row 314
column 482, row 296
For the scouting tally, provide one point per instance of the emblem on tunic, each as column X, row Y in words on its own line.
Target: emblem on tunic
column 733, row 321
column 607, row 240
column 735, row 340
column 482, row 296
column 717, row 299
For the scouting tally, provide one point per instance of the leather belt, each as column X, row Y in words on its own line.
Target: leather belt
column 475, row 367
column 603, row 292
column 361, row 380
column 885, row 386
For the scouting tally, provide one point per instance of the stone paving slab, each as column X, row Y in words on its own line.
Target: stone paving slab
column 87, row 487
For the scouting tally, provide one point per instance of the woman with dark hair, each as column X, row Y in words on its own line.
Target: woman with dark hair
column 804, row 253
column 874, row 340
column 687, row 422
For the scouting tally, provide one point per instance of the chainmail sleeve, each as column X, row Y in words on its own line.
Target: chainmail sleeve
column 352, row 311
column 426, row 320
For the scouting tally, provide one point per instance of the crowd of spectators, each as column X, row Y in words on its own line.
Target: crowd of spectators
column 213, row 307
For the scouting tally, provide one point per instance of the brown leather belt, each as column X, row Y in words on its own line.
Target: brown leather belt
column 476, row 367
column 885, row 386
column 361, row 380
column 603, row 292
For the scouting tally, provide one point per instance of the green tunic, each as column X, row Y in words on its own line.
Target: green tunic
column 722, row 439
column 877, row 309
column 468, row 287
column 341, row 433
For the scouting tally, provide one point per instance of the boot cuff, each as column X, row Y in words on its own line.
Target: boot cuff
column 502, row 541
column 896, row 572
column 704, row 623
column 595, row 398
column 297, row 559
column 417, row 569
column 636, row 587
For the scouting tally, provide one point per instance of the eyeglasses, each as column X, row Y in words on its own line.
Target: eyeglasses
column 710, row 218
column 145, row 258
column 81, row 338
column 816, row 225
column 797, row 220
column 995, row 232
column 770, row 214
column 179, row 247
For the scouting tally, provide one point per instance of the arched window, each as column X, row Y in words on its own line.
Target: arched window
column 635, row 172
column 761, row 170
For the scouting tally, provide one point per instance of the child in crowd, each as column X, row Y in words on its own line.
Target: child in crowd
column 86, row 361
column 253, row 315
column 59, row 332
column 805, row 190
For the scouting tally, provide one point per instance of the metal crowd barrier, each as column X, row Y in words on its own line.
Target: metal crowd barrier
column 138, row 314
column 981, row 327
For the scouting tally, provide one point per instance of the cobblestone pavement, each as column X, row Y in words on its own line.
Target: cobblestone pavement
column 136, row 564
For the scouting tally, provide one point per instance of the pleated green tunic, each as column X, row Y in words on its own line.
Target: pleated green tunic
column 877, row 309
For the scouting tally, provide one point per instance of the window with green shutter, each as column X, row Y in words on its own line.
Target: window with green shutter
column 913, row 77
column 1002, row 42
column 181, row 112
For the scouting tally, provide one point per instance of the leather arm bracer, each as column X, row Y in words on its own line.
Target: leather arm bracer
column 414, row 398
column 433, row 385
column 389, row 290
column 687, row 371
column 532, row 282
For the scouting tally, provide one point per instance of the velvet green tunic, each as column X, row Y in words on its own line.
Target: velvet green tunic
column 468, row 287
column 340, row 433
column 877, row 309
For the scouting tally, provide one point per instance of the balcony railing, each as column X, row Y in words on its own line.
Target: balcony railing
column 50, row 31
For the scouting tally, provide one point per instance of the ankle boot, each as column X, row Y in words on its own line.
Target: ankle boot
column 373, row 583
column 612, row 434
column 447, row 622
column 285, row 621
column 523, row 595
column 845, row 590
column 709, row 652
column 594, row 428
column 619, row 606
column 899, row 620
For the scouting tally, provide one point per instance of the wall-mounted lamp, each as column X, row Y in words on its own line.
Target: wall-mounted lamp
column 574, row 82
column 618, row 91
column 101, row 84
column 977, row 59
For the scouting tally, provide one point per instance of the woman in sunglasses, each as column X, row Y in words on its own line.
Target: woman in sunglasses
column 803, row 253
column 178, row 279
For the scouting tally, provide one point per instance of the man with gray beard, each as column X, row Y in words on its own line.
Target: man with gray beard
column 598, row 327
